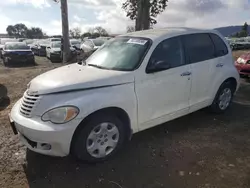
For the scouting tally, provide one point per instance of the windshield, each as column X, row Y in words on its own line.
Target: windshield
column 122, row 54
column 98, row 42
column 17, row 46
column 43, row 42
column 75, row 42
column 55, row 39
column 29, row 41
column 56, row 45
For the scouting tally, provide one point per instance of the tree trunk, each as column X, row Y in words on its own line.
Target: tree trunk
column 65, row 30
column 143, row 15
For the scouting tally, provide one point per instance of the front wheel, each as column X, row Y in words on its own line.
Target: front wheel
column 101, row 137
column 223, row 98
column 5, row 61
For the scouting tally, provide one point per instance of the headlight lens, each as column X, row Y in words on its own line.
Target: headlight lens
column 61, row 115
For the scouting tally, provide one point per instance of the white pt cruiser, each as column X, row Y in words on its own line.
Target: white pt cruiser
column 133, row 82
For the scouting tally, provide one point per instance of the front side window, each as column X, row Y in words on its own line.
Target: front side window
column 122, row 53
column 220, row 46
column 170, row 52
column 199, row 47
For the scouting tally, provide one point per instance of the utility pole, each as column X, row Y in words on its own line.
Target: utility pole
column 65, row 30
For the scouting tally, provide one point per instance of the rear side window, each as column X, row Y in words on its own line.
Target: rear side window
column 199, row 47
column 220, row 46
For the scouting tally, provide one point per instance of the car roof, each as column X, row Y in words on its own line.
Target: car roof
column 154, row 34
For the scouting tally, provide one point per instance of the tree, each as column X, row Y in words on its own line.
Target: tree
column 11, row 30
column 35, row 33
column 144, row 11
column 101, row 31
column 21, row 30
column 243, row 32
column 87, row 34
column 65, row 30
column 130, row 29
column 75, row 32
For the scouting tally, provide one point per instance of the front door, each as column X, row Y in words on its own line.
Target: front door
column 163, row 93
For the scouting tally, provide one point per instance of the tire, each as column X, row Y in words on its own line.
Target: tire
column 99, row 148
column 218, row 106
column 5, row 61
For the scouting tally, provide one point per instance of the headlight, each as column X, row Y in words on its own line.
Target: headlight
column 61, row 115
column 242, row 61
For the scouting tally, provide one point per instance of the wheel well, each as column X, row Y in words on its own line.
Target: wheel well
column 232, row 81
column 118, row 112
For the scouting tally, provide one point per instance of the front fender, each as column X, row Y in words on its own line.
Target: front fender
column 90, row 101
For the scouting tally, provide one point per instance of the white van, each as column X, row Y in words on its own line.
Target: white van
column 133, row 82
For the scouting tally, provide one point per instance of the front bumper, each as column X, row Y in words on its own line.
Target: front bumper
column 43, row 137
column 243, row 70
column 21, row 59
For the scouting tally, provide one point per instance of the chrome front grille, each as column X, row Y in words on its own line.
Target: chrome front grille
column 28, row 104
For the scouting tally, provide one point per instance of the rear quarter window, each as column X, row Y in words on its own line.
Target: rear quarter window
column 220, row 46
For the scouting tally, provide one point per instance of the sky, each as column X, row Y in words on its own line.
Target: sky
column 108, row 14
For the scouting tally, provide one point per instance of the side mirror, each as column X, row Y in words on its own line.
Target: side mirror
column 48, row 47
column 158, row 66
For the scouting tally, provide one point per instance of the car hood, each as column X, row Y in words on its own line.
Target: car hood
column 77, row 77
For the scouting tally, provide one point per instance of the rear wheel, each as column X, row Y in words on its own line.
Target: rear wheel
column 101, row 137
column 223, row 98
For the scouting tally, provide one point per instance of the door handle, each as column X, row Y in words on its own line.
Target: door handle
column 186, row 74
column 220, row 65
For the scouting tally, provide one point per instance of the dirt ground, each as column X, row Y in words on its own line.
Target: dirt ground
column 200, row 150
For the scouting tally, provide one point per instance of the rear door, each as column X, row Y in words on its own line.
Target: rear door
column 200, row 52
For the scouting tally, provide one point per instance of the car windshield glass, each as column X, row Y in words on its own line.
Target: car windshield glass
column 16, row 46
column 121, row 53
column 56, row 39
column 56, row 45
column 29, row 41
column 75, row 42
column 98, row 42
column 45, row 42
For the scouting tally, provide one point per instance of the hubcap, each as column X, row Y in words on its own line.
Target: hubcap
column 102, row 140
column 225, row 98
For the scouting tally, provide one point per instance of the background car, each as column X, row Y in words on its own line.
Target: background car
column 3, row 41
column 243, row 64
column 75, row 43
column 17, row 52
column 53, row 51
column 91, row 45
column 39, row 48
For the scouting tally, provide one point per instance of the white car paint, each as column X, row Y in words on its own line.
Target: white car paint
column 148, row 99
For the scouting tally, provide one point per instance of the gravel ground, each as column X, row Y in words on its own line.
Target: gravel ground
column 199, row 150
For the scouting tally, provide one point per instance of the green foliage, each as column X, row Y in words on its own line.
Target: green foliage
column 75, row 32
column 21, row 31
column 243, row 32
column 35, row 33
column 156, row 7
